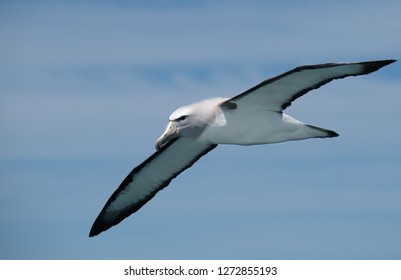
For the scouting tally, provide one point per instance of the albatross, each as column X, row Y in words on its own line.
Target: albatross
column 250, row 118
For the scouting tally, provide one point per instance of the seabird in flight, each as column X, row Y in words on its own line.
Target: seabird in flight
column 252, row 117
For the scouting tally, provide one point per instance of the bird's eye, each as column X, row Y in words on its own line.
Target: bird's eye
column 181, row 118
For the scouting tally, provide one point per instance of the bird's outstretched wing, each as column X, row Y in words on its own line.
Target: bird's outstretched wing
column 277, row 93
column 147, row 179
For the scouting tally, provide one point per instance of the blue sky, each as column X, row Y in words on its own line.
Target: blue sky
column 87, row 86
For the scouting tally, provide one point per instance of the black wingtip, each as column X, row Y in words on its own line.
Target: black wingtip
column 372, row 66
column 105, row 221
column 100, row 225
column 93, row 233
column 95, row 230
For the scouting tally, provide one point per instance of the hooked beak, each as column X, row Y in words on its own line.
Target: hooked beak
column 169, row 134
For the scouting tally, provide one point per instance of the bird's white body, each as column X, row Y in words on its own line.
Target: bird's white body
column 259, row 126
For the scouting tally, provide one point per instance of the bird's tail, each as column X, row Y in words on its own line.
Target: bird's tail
column 322, row 132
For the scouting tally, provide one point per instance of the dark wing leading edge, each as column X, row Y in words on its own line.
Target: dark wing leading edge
column 277, row 93
column 147, row 179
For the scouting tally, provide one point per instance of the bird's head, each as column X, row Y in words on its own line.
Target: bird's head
column 191, row 120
